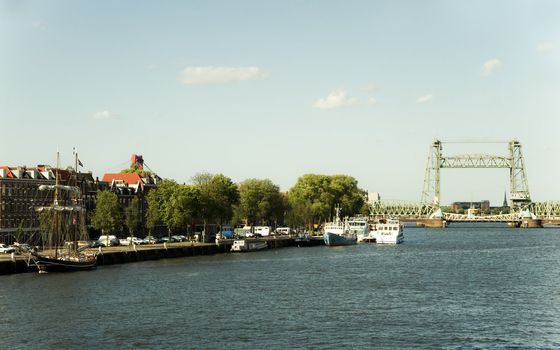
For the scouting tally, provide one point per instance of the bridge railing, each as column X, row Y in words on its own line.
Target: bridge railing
column 510, row 217
column 399, row 209
column 546, row 210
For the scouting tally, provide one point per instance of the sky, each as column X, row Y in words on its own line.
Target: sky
column 278, row 89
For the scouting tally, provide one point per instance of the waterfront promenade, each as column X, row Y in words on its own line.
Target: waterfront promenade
column 134, row 253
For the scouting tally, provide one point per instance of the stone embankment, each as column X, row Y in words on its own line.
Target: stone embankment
column 10, row 264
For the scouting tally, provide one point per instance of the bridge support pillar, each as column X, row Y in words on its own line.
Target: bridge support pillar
column 531, row 223
column 432, row 223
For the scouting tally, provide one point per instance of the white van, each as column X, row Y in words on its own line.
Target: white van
column 262, row 231
column 108, row 240
column 283, row 230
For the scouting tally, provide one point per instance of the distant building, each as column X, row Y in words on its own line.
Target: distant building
column 482, row 205
column 128, row 185
column 20, row 195
column 373, row 197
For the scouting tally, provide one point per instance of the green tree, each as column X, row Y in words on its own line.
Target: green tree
column 156, row 201
column 260, row 201
column 135, row 169
column 181, row 207
column 107, row 215
column 18, row 236
column 132, row 217
column 314, row 197
column 217, row 196
column 45, row 223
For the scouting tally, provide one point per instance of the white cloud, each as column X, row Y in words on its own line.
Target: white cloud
column 491, row 66
column 103, row 115
column 219, row 75
column 371, row 101
column 546, row 46
column 335, row 99
column 424, row 99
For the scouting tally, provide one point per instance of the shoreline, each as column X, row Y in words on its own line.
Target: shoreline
column 128, row 254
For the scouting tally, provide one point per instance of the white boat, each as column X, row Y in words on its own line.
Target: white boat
column 359, row 226
column 335, row 233
column 389, row 232
column 369, row 236
column 248, row 245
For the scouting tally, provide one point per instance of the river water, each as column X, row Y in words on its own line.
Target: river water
column 461, row 287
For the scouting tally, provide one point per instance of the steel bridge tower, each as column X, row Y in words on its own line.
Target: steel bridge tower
column 518, row 184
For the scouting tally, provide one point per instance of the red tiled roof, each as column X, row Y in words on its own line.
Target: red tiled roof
column 8, row 172
column 130, row 178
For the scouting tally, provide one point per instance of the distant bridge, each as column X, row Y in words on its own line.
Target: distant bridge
column 431, row 215
column 522, row 211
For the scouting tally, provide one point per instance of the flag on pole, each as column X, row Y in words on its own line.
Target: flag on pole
column 80, row 163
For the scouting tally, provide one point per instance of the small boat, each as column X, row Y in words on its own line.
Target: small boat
column 248, row 245
column 390, row 231
column 336, row 233
column 65, row 220
column 303, row 240
column 359, row 226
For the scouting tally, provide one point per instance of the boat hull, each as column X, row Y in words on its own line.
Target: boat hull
column 366, row 238
column 248, row 245
column 389, row 239
column 333, row 239
column 47, row 264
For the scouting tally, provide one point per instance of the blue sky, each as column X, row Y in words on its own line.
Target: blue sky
column 277, row 89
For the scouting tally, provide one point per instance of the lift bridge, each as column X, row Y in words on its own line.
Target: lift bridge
column 522, row 212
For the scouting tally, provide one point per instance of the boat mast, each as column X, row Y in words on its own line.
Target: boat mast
column 55, row 233
column 56, row 179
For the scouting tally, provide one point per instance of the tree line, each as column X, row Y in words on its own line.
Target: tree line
column 215, row 198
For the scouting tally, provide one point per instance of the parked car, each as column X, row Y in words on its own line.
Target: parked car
column 151, row 240
column 95, row 244
column 167, row 239
column 4, row 248
column 134, row 240
column 108, row 240
column 179, row 238
column 22, row 247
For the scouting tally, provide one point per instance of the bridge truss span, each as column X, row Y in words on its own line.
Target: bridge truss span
column 509, row 217
column 401, row 209
column 549, row 210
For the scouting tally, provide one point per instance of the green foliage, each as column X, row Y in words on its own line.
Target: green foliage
column 260, row 201
column 45, row 221
column 18, row 236
column 314, row 197
column 132, row 217
column 135, row 169
column 217, row 196
column 181, row 207
column 107, row 215
column 156, row 199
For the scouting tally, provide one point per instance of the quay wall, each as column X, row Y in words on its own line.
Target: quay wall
column 127, row 254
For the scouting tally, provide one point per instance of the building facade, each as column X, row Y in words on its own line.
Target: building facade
column 20, row 196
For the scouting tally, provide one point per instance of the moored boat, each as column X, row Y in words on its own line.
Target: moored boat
column 359, row 226
column 65, row 220
column 390, row 232
column 336, row 233
column 248, row 245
